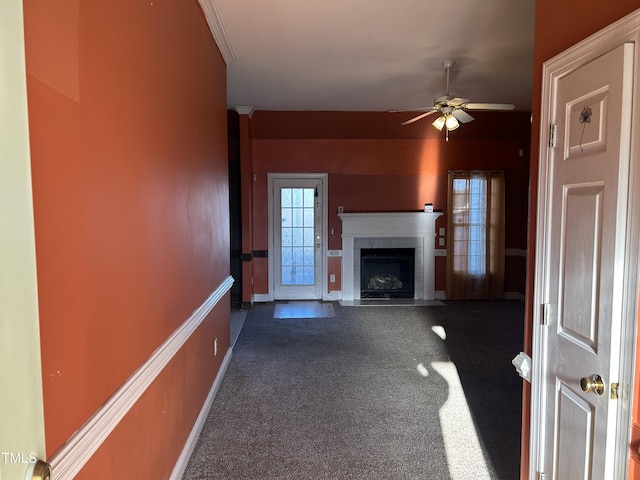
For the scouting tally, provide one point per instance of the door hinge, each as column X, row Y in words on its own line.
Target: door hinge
column 548, row 311
column 615, row 389
column 552, row 135
column 541, row 476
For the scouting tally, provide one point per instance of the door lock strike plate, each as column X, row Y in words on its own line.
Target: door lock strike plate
column 615, row 388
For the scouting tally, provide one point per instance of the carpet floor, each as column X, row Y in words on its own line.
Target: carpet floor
column 419, row 392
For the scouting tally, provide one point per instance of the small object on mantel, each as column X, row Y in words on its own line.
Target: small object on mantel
column 428, row 207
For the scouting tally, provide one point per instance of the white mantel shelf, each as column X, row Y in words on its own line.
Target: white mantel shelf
column 388, row 223
column 378, row 229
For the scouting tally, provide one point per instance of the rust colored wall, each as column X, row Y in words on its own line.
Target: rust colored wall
column 334, row 267
column 559, row 25
column 375, row 164
column 147, row 451
column 634, row 461
column 127, row 106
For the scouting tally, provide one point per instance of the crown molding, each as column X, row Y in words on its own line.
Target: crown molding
column 245, row 110
column 212, row 15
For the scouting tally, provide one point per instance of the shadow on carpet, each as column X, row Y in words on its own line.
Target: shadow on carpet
column 372, row 393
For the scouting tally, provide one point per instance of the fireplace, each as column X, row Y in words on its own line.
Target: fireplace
column 415, row 230
column 387, row 272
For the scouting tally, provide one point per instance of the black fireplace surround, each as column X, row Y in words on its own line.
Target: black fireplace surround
column 387, row 272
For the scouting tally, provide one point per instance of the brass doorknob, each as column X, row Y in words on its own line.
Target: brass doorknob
column 41, row 471
column 594, row 383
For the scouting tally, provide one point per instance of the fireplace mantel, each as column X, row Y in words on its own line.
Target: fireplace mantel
column 389, row 229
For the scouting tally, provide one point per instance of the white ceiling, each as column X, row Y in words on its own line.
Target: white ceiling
column 376, row 55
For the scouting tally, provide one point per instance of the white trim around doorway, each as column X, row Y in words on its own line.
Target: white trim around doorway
column 625, row 30
column 271, row 178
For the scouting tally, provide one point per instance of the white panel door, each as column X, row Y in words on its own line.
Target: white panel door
column 582, row 274
column 298, row 238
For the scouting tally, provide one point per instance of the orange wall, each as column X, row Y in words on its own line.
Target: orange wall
column 559, row 25
column 375, row 164
column 127, row 106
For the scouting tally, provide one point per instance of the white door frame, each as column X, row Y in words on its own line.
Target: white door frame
column 271, row 177
column 22, row 434
column 625, row 30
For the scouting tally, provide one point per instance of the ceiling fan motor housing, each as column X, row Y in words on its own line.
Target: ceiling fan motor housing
column 443, row 100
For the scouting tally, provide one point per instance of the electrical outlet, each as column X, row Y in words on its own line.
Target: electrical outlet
column 442, row 231
column 441, row 242
column 332, row 278
column 215, row 347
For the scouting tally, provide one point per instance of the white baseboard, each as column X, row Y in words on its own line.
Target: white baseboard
column 262, row 298
column 79, row 448
column 334, row 295
column 190, row 445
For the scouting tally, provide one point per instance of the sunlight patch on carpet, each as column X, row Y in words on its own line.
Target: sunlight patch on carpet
column 304, row 310
column 465, row 456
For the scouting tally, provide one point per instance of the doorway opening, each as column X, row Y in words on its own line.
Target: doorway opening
column 297, row 233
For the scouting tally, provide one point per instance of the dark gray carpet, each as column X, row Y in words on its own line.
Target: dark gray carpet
column 360, row 396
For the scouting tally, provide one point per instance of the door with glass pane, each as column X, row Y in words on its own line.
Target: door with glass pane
column 298, row 238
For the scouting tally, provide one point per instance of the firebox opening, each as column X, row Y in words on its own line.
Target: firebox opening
column 387, row 272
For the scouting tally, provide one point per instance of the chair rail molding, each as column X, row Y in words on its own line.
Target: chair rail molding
column 79, row 448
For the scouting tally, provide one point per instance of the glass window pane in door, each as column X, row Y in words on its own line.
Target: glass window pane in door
column 287, row 217
column 308, row 219
column 285, row 194
column 308, row 197
column 287, row 239
column 297, row 234
column 287, row 278
column 297, row 217
column 297, row 196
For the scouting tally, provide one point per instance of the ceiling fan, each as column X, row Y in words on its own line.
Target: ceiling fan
column 452, row 109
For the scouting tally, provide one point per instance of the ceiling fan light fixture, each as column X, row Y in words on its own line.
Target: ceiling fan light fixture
column 452, row 109
column 451, row 122
column 439, row 122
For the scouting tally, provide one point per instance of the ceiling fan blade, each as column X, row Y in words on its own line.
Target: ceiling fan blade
column 456, row 102
column 462, row 116
column 419, row 117
column 418, row 109
column 488, row 106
